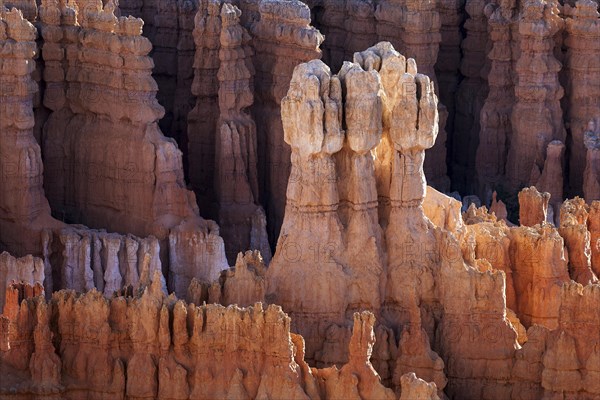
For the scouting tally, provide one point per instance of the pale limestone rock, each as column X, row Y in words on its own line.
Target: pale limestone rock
column 443, row 211
column 27, row 270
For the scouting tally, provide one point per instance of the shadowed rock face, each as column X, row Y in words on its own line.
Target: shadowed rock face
column 474, row 139
column 107, row 164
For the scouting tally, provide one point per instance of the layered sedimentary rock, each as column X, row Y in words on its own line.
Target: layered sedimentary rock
column 540, row 269
column 24, row 210
column 280, row 38
column 202, row 119
column 413, row 27
column 533, row 206
column 230, row 129
column 60, row 349
column 551, row 179
column 448, row 66
column 420, row 36
column 537, row 116
column 73, row 258
column 416, row 280
column 583, row 88
column 496, row 129
column 138, row 189
column 28, row 270
column 574, row 230
column 283, row 38
column 108, row 262
column 470, row 98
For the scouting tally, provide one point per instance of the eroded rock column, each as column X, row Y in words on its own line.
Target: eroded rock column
column 24, row 210
column 583, row 87
column 537, row 115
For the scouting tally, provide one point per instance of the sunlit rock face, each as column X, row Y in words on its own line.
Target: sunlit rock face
column 118, row 134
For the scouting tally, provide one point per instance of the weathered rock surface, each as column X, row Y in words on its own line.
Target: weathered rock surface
column 537, row 116
column 28, row 270
column 140, row 188
column 24, row 209
column 591, row 175
column 153, row 346
column 229, row 129
column 479, row 307
column 422, row 270
column 583, row 87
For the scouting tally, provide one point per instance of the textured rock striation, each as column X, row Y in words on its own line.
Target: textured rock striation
column 470, row 98
column 140, row 188
column 496, row 130
column 537, row 116
column 231, row 138
column 583, row 88
column 478, row 307
column 416, row 278
column 153, row 346
column 277, row 36
column 28, row 270
column 24, row 210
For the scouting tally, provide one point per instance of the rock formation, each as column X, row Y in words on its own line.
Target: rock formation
column 151, row 357
column 533, row 206
column 496, row 129
column 591, row 175
column 280, row 36
column 387, row 286
column 448, row 65
column 537, row 116
column 583, row 88
column 229, row 130
column 573, row 228
column 24, row 210
column 470, row 97
column 422, row 269
column 139, row 189
column 28, row 270
column 283, row 39
column 551, row 178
